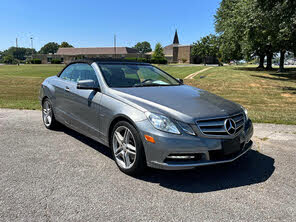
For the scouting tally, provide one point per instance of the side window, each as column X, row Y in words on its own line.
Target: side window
column 67, row 74
column 79, row 71
column 85, row 72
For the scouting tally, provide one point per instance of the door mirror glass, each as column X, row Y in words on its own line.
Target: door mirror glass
column 87, row 84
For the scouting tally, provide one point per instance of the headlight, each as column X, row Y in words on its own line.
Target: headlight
column 246, row 113
column 186, row 128
column 162, row 123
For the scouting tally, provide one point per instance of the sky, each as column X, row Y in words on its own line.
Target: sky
column 91, row 23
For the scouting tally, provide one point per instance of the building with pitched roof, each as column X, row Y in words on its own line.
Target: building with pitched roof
column 67, row 55
column 177, row 53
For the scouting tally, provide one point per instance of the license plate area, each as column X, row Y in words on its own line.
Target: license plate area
column 231, row 146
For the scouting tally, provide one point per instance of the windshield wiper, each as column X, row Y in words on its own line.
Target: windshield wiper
column 149, row 84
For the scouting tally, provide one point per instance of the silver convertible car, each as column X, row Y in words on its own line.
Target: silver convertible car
column 146, row 116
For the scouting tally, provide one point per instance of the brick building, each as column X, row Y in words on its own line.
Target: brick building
column 177, row 53
column 67, row 55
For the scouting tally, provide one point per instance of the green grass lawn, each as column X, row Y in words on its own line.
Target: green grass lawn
column 180, row 72
column 19, row 85
column 269, row 96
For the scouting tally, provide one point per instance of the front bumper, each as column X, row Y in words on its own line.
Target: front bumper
column 169, row 144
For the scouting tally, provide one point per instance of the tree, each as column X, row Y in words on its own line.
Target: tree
column 206, row 46
column 229, row 33
column 143, row 47
column 8, row 59
column 256, row 28
column 66, row 45
column 51, row 47
column 158, row 52
column 19, row 53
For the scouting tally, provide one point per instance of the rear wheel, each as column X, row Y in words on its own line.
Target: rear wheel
column 47, row 115
column 127, row 149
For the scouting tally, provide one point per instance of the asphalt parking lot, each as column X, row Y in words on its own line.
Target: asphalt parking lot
column 64, row 176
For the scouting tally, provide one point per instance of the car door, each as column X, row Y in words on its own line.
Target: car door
column 85, row 103
column 64, row 85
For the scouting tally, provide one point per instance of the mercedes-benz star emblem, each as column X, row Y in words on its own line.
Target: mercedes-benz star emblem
column 230, row 126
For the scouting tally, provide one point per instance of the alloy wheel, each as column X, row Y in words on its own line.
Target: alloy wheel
column 124, row 147
column 47, row 113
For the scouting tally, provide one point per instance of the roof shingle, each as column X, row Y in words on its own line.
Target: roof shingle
column 95, row 51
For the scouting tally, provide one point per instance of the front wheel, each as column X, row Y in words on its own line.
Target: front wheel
column 127, row 149
column 47, row 115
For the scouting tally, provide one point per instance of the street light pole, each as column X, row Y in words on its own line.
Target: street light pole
column 31, row 42
column 114, row 46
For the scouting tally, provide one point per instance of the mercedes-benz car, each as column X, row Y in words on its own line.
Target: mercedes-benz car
column 146, row 116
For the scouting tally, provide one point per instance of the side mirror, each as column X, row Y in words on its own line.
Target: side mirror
column 180, row 80
column 87, row 84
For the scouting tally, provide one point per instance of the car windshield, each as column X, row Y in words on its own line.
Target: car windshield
column 135, row 75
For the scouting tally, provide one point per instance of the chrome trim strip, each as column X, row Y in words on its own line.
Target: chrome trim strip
column 218, row 118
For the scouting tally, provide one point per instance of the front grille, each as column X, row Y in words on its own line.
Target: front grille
column 215, row 127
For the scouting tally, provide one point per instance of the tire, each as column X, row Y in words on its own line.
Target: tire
column 127, row 149
column 48, row 118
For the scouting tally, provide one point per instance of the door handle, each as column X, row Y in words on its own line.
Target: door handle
column 67, row 89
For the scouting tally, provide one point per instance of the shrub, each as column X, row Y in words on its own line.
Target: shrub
column 158, row 54
column 159, row 61
column 35, row 61
column 184, row 60
column 142, row 60
column 137, row 59
column 132, row 59
column 8, row 59
column 56, row 61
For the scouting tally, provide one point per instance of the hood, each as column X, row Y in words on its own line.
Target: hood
column 184, row 103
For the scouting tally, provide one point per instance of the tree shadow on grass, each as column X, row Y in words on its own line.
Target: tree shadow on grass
column 252, row 69
column 274, row 70
column 288, row 76
column 292, row 78
column 271, row 78
column 252, row 168
column 290, row 89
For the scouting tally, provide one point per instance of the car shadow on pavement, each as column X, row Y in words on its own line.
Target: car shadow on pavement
column 252, row 168
column 86, row 140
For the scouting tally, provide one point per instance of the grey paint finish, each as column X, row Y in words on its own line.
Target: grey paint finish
column 91, row 112
column 184, row 103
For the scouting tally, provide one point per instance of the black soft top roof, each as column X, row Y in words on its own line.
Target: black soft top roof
column 103, row 61
column 108, row 61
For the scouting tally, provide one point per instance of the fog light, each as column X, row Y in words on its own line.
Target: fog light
column 181, row 157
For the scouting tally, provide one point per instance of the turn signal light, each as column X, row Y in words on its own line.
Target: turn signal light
column 149, row 139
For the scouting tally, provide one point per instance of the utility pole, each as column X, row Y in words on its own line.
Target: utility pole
column 31, row 42
column 114, row 46
column 16, row 43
